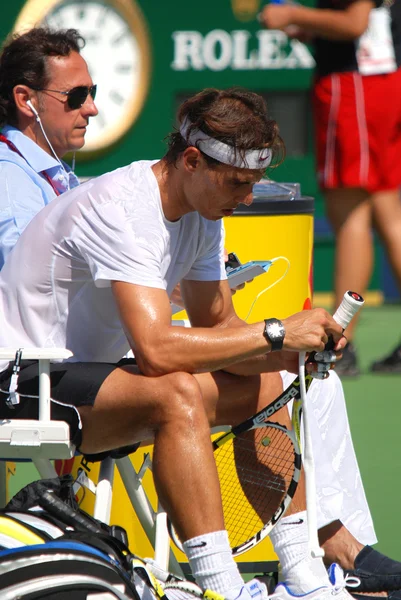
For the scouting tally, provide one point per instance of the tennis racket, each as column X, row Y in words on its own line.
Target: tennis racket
column 351, row 303
column 259, row 461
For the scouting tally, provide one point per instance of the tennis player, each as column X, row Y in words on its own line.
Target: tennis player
column 110, row 253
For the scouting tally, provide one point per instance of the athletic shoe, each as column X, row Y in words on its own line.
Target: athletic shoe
column 388, row 364
column 348, row 365
column 254, row 589
column 185, row 590
column 376, row 572
column 335, row 591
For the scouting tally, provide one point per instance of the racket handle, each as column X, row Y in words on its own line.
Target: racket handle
column 68, row 515
column 350, row 304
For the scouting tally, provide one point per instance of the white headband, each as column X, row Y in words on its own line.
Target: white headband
column 253, row 159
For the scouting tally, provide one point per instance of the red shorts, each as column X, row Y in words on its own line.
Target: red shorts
column 358, row 130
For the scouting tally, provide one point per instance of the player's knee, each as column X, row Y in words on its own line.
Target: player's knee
column 184, row 399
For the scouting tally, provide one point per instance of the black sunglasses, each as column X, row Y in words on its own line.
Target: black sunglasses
column 75, row 97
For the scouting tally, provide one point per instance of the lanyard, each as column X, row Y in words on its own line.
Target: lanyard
column 15, row 149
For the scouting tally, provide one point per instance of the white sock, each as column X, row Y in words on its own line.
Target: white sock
column 300, row 571
column 212, row 563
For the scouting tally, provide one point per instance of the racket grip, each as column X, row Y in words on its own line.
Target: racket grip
column 68, row 515
column 350, row 304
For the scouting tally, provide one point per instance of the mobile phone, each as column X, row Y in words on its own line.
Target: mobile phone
column 247, row 271
column 232, row 262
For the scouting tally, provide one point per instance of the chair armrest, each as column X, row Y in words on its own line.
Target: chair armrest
column 24, row 438
column 36, row 353
column 44, row 356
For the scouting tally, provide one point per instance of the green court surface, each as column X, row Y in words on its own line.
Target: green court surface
column 374, row 410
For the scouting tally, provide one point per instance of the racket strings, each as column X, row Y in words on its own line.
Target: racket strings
column 255, row 472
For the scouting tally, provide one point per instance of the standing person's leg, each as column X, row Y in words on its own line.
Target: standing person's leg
column 349, row 212
column 386, row 207
column 350, row 215
column 383, row 108
column 344, row 170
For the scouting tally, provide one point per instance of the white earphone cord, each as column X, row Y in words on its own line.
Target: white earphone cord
column 273, row 260
column 39, row 121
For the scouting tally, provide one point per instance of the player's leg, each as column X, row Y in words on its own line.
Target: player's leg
column 227, row 395
column 230, row 399
column 346, row 530
column 169, row 409
column 119, row 407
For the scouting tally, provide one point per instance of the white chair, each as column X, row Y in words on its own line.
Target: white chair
column 43, row 439
column 37, row 440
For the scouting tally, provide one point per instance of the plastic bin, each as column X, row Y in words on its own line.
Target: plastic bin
column 269, row 228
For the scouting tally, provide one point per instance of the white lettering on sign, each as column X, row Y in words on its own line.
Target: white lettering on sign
column 219, row 50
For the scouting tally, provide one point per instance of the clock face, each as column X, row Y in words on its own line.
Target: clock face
column 117, row 53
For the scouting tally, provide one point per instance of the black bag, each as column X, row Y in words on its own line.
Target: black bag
column 61, row 548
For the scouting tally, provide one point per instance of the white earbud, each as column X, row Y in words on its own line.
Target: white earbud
column 38, row 119
column 33, row 109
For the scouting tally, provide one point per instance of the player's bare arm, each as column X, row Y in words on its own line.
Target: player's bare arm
column 217, row 310
column 161, row 348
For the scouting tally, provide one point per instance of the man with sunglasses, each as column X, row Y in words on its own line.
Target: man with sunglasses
column 46, row 98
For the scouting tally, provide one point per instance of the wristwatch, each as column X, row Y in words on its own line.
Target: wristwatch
column 274, row 332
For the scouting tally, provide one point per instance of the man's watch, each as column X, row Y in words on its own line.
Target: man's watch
column 274, row 332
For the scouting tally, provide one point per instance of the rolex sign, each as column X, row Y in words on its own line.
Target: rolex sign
column 239, row 50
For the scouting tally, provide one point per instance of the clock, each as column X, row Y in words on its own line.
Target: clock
column 117, row 52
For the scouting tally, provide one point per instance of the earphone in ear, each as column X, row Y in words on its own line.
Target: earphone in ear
column 33, row 109
column 38, row 119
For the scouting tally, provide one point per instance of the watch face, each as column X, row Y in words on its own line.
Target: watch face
column 275, row 331
column 117, row 52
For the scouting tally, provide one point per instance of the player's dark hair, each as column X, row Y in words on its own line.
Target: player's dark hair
column 24, row 60
column 235, row 116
